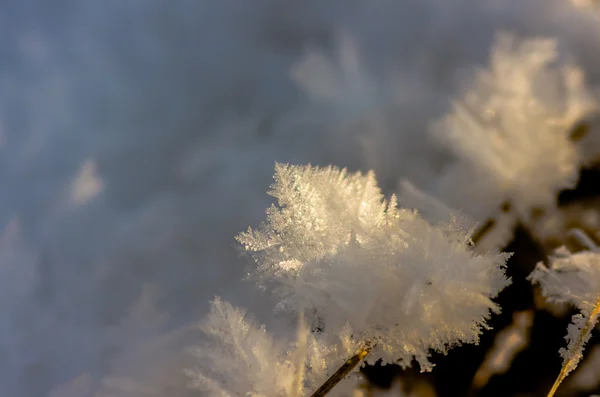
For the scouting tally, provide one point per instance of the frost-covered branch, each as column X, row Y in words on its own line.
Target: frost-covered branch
column 510, row 129
column 341, row 373
column 241, row 358
column 334, row 247
column 573, row 278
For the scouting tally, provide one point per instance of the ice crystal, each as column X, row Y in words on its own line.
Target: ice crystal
column 573, row 278
column 243, row 359
column 333, row 247
column 511, row 125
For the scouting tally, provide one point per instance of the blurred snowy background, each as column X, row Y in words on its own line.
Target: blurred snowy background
column 138, row 137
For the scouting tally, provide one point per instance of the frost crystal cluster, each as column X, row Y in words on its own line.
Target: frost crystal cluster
column 573, row 278
column 242, row 359
column 334, row 248
column 510, row 127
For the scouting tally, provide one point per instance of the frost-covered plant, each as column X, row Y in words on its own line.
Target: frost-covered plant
column 510, row 128
column 243, row 359
column 332, row 246
column 573, row 278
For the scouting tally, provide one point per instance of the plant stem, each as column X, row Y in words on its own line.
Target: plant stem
column 353, row 361
column 482, row 230
column 571, row 363
column 342, row 372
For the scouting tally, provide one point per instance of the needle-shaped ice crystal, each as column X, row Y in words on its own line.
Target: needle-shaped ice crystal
column 512, row 124
column 333, row 247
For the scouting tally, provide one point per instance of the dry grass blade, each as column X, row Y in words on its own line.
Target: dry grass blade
column 572, row 362
column 342, row 372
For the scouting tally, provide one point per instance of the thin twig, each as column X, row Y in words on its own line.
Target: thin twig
column 483, row 230
column 300, row 355
column 488, row 226
column 342, row 372
column 353, row 361
column 569, row 365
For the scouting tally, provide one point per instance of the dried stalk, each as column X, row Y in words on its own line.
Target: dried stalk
column 353, row 361
column 342, row 372
column 571, row 363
